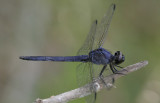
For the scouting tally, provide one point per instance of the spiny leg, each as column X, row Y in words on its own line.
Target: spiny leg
column 118, row 66
column 116, row 71
column 112, row 68
column 104, row 67
column 121, row 67
column 101, row 76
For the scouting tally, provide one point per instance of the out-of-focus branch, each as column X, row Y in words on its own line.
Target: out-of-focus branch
column 86, row 90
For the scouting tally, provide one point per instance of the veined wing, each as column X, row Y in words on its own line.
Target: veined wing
column 87, row 72
column 102, row 28
column 88, row 44
column 84, row 70
column 85, row 75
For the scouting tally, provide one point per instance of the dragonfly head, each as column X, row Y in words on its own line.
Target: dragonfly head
column 118, row 58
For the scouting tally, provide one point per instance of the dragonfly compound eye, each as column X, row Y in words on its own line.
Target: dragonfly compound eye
column 119, row 57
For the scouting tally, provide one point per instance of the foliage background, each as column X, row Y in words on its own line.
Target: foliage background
column 59, row 27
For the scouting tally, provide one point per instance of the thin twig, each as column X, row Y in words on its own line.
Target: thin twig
column 86, row 90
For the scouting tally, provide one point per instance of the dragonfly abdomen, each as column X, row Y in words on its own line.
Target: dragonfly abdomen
column 81, row 58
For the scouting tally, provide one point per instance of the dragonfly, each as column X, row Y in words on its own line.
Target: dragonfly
column 94, row 59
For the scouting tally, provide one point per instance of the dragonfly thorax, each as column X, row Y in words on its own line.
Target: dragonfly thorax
column 100, row 56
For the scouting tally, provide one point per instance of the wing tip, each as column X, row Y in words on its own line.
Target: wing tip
column 96, row 21
column 114, row 6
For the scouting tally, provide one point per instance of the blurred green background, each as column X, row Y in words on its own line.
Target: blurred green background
column 59, row 27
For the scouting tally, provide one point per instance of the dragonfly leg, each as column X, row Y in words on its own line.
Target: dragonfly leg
column 116, row 71
column 112, row 68
column 118, row 66
column 104, row 67
column 101, row 76
column 115, row 68
column 121, row 67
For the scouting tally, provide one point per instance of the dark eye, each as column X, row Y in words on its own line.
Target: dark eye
column 118, row 57
column 117, row 53
column 100, row 49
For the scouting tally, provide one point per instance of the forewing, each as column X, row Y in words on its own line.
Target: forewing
column 102, row 28
column 87, row 72
column 84, row 70
column 88, row 44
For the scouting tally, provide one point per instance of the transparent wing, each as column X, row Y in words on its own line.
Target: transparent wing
column 84, row 76
column 102, row 28
column 84, row 70
column 88, row 44
column 86, row 73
